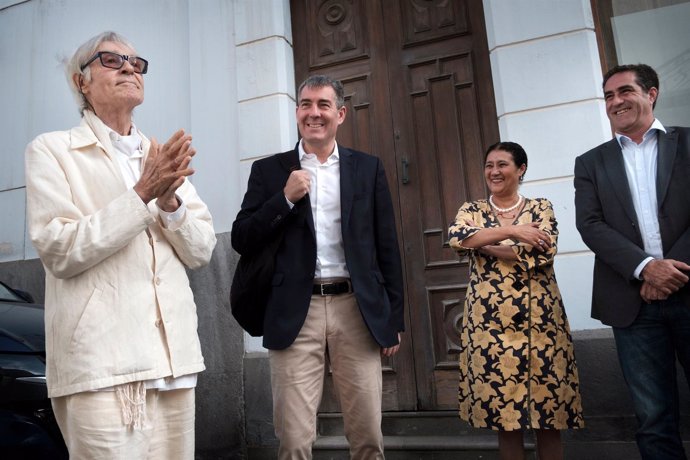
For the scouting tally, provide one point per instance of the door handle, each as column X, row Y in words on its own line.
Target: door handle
column 405, row 171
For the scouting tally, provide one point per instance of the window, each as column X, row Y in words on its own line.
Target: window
column 653, row 32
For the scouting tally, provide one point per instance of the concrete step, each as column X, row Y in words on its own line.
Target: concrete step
column 328, row 448
column 484, row 447
column 433, row 435
column 431, row 423
column 441, row 435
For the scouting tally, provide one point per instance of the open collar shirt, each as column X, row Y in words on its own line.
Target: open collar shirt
column 640, row 167
column 324, row 195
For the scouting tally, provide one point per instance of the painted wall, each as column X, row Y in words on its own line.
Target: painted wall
column 547, row 81
column 266, row 91
column 191, row 84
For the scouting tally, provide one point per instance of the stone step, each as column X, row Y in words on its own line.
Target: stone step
column 432, row 435
column 441, row 435
column 431, row 423
column 484, row 447
column 335, row 449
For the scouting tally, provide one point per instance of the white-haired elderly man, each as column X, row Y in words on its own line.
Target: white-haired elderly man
column 116, row 222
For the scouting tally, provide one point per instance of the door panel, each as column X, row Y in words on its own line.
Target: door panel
column 418, row 93
column 443, row 109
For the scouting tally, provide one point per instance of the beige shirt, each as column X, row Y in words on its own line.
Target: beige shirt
column 118, row 304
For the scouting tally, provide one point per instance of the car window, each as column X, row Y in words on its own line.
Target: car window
column 6, row 294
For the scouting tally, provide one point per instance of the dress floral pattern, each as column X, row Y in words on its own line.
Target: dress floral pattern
column 517, row 366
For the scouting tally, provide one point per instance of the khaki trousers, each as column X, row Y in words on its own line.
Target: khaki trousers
column 334, row 327
column 91, row 423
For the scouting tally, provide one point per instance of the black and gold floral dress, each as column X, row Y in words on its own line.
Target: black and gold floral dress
column 517, row 366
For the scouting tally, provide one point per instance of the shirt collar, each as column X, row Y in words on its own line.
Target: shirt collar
column 335, row 154
column 129, row 145
column 656, row 126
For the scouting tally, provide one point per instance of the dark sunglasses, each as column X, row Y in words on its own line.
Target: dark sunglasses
column 116, row 61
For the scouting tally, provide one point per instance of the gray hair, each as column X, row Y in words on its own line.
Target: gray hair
column 320, row 81
column 83, row 54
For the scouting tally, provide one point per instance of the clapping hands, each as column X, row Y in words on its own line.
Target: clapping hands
column 165, row 170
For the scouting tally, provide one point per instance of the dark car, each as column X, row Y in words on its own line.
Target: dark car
column 28, row 429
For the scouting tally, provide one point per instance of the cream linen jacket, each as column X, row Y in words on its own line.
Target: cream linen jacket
column 118, row 304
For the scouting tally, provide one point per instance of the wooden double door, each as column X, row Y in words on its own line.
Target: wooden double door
column 419, row 96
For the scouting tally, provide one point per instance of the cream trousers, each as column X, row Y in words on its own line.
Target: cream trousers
column 334, row 327
column 93, row 428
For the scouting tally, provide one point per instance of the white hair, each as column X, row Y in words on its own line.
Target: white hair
column 83, row 54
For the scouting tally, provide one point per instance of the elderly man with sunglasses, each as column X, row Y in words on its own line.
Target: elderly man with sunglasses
column 116, row 222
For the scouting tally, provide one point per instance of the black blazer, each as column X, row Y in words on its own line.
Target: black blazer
column 369, row 237
column 607, row 222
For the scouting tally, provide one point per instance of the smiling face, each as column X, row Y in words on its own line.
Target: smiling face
column 501, row 174
column 318, row 118
column 112, row 90
column 628, row 105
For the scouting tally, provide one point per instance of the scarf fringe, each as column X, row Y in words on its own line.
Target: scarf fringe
column 132, row 397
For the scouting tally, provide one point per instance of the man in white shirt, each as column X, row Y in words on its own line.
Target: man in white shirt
column 633, row 211
column 337, row 288
column 115, row 223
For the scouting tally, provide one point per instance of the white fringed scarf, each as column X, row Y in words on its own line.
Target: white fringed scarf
column 132, row 397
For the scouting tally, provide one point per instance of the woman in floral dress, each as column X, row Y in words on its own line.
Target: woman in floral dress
column 517, row 367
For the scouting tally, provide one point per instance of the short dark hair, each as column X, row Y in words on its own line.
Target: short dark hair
column 645, row 76
column 319, row 81
column 516, row 151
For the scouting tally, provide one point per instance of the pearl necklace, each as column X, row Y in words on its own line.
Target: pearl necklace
column 505, row 210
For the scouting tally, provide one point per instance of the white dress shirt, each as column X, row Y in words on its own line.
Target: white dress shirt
column 324, row 195
column 640, row 167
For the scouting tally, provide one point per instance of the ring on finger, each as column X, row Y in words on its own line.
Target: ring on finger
column 541, row 242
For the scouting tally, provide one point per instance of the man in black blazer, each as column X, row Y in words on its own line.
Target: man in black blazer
column 337, row 289
column 633, row 211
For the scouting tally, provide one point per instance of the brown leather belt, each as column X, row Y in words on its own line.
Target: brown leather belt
column 332, row 288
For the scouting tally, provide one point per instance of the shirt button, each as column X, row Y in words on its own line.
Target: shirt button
column 158, row 323
column 157, row 281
